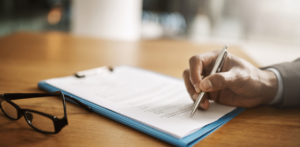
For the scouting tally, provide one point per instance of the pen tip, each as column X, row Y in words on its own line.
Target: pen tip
column 192, row 114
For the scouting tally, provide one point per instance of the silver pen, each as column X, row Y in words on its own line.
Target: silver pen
column 217, row 68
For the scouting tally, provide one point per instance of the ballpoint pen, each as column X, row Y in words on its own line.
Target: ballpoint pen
column 217, row 68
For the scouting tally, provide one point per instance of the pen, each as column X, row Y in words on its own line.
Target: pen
column 217, row 68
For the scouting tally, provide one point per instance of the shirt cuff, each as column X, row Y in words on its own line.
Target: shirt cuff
column 278, row 96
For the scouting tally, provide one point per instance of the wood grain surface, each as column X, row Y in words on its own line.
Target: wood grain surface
column 27, row 58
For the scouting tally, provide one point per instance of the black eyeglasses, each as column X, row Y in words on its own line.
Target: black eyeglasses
column 39, row 121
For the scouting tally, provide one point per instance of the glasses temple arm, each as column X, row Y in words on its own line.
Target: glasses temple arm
column 15, row 96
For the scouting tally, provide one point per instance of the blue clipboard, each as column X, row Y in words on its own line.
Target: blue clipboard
column 187, row 141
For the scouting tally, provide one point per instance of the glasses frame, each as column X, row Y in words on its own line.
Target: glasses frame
column 58, row 123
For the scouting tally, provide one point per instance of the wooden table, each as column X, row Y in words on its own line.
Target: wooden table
column 27, row 58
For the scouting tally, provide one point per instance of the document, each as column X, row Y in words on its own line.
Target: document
column 153, row 99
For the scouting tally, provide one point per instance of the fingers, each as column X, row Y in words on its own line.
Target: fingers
column 199, row 65
column 188, row 84
column 217, row 81
column 196, row 68
column 204, row 105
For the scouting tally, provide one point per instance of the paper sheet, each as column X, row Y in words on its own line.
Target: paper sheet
column 156, row 100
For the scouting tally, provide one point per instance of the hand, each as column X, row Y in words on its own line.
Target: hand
column 239, row 83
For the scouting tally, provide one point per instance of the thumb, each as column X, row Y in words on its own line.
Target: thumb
column 217, row 81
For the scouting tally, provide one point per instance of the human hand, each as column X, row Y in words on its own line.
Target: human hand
column 239, row 83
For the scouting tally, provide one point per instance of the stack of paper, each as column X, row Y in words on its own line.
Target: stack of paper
column 156, row 101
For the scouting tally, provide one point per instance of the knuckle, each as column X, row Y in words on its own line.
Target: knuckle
column 186, row 72
column 194, row 59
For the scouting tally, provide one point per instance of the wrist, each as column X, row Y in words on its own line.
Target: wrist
column 269, row 85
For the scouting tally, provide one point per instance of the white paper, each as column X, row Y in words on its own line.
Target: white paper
column 156, row 100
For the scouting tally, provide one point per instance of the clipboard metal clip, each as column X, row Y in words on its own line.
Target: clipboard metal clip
column 94, row 71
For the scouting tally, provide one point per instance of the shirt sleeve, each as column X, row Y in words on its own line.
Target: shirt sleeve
column 279, row 95
column 290, row 77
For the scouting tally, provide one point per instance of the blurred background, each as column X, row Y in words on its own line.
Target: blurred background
column 268, row 30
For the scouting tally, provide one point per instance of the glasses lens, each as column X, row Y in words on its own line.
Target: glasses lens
column 9, row 110
column 40, row 122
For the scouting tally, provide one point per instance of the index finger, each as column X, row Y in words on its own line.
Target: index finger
column 201, row 65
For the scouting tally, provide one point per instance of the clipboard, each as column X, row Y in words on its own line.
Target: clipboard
column 187, row 141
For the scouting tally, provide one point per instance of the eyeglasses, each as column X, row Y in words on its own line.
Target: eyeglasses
column 39, row 121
